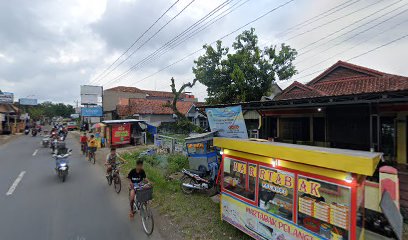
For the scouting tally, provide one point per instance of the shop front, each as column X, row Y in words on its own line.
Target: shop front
column 124, row 132
column 286, row 191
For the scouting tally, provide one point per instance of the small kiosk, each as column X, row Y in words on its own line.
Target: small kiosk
column 284, row 191
column 200, row 151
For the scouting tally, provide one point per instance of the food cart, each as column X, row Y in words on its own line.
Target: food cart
column 284, row 191
column 201, row 153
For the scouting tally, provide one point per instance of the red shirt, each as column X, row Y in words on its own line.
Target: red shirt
column 84, row 139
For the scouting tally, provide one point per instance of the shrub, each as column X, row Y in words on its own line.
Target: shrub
column 176, row 162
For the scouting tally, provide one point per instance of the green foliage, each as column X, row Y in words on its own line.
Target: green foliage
column 49, row 109
column 180, row 127
column 246, row 74
column 176, row 162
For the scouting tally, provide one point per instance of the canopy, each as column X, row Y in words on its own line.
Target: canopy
column 98, row 125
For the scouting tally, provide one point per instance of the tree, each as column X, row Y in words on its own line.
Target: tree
column 176, row 97
column 247, row 74
column 49, row 109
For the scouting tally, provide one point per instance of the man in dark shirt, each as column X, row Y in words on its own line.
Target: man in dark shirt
column 136, row 176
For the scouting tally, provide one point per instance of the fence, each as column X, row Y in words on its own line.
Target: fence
column 170, row 144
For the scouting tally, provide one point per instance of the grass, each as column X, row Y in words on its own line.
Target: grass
column 196, row 216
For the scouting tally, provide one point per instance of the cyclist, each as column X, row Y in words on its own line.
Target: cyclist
column 136, row 176
column 83, row 141
column 92, row 145
column 111, row 160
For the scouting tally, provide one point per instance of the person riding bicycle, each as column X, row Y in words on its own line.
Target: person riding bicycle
column 92, row 145
column 111, row 160
column 136, row 176
column 84, row 141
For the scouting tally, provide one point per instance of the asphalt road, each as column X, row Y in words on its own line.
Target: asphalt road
column 42, row 207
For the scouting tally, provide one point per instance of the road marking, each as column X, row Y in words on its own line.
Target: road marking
column 15, row 183
column 35, row 152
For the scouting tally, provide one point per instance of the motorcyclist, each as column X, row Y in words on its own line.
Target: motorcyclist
column 136, row 176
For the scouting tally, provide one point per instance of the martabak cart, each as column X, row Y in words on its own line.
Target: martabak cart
column 284, row 191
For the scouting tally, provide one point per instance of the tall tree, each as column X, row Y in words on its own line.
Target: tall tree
column 247, row 73
column 176, row 96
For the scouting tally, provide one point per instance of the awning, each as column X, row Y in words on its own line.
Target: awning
column 8, row 108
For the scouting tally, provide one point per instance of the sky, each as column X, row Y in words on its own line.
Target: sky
column 48, row 48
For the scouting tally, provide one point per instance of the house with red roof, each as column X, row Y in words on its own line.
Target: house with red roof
column 156, row 111
column 112, row 97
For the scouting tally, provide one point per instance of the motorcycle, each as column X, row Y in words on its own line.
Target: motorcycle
column 34, row 132
column 46, row 142
column 62, row 165
column 53, row 146
column 195, row 180
column 26, row 131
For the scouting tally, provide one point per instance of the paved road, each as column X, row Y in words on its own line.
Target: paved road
column 42, row 207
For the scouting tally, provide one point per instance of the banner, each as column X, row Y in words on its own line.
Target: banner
column 89, row 99
column 91, row 90
column 228, row 121
column 28, row 101
column 6, row 97
column 120, row 134
column 260, row 224
column 91, row 111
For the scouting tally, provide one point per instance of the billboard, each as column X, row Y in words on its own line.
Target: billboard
column 91, row 111
column 28, row 101
column 91, row 90
column 6, row 97
column 228, row 121
column 89, row 99
column 120, row 134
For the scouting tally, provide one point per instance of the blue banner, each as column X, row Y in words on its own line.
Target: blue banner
column 228, row 121
column 92, row 111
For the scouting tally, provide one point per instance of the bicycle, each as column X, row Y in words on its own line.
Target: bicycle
column 83, row 148
column 115, row 178
column 142, row 197
column 91, row 156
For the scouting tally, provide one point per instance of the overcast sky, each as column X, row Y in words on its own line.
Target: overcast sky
column 49, row 48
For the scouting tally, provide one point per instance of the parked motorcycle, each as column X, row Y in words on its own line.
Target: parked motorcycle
column 26, row 131
column 62, row 165
column 195, row 180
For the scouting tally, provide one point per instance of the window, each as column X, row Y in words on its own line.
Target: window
column 236, row 177
column 276, row 192
column 196, row 148
column 294, row 129
column 322, row 210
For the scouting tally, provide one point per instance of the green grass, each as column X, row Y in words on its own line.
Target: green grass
column 196, row 216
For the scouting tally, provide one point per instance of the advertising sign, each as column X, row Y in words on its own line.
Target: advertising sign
column 6, row 97
column 28, row 101
column 120, row 134
column 74, row 116
column 91, row 90
column 91, row 111
column 89, row 99
column 260, row 224
column 228, row 121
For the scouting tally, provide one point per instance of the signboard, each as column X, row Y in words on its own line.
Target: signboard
column 89, row 99
column 120, row 134
column 28, row 101
column 91, row 111
column 91, row 90
column 260, row 224
column 74, row 116
column 228, row 121
column 24, row 116
column 6, row 97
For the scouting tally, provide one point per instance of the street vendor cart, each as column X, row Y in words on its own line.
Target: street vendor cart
column 283, row 191
column 202, row 156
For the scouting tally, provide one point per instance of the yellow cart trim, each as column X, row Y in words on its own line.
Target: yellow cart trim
column 358, row 162
column 290, row 165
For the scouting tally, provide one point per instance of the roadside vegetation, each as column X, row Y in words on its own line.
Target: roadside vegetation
column 194, row 216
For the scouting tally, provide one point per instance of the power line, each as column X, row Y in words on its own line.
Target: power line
column 317, row 17
column 172, row 41
column 361, row 19
column 137, row 40
column 170, row 46
column 332, row 21
column 198, row 50
column 357, row 56
column 145, row 42
column 358, row 33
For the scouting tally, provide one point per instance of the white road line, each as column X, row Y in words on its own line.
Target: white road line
column 15, row 183
column 35, row 152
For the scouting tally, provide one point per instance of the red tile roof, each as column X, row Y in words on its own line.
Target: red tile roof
column 149, row 106
column 345, row 79
column 150, row 93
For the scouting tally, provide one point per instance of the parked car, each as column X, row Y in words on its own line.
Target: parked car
column 72, row 126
